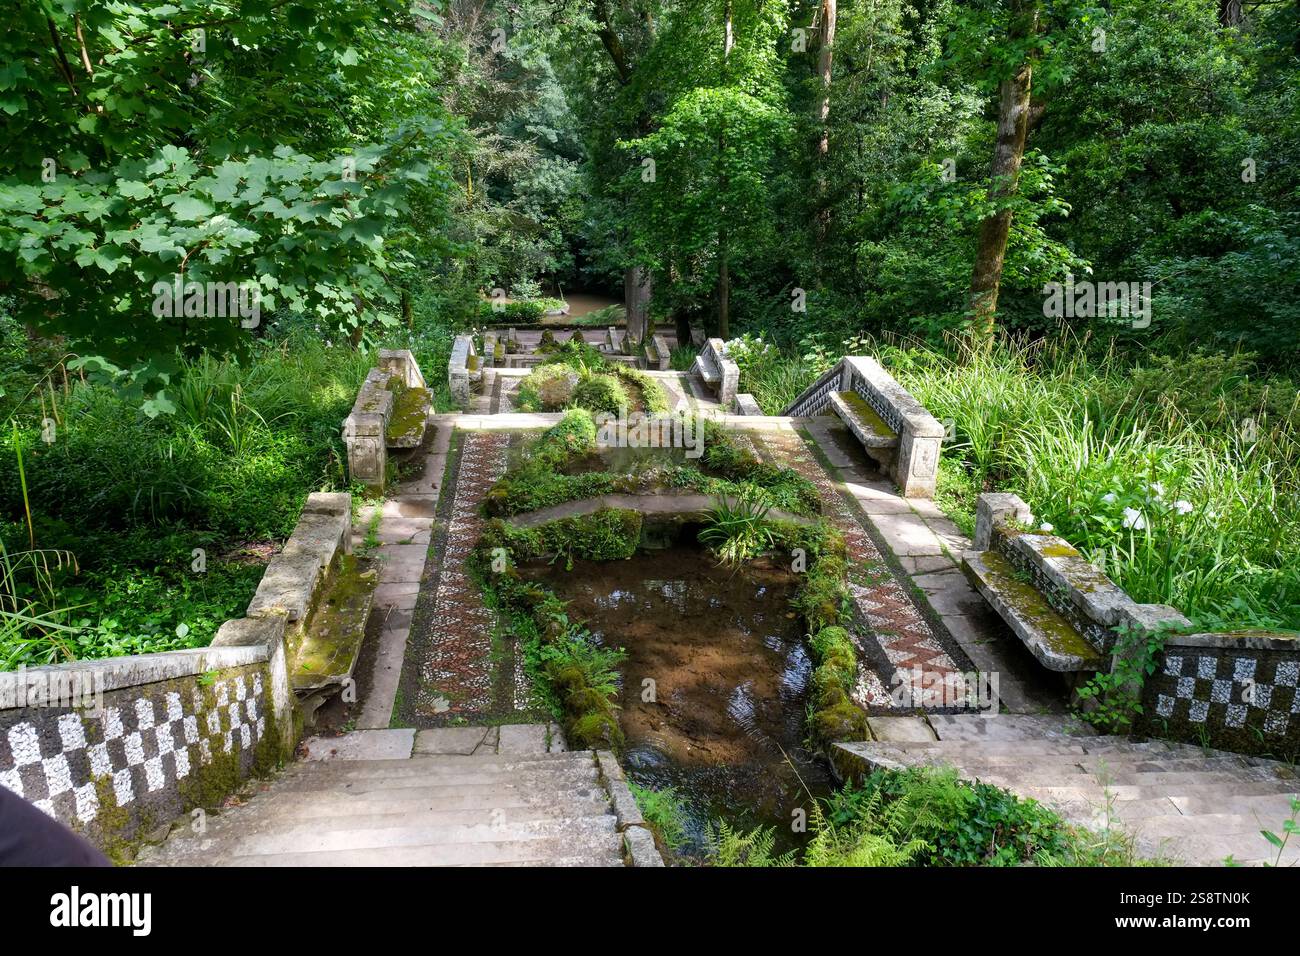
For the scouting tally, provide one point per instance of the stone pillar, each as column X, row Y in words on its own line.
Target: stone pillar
column 364, row 434
column 458, row 370
column 401, row 362
column 916, row 469
column 994, row 508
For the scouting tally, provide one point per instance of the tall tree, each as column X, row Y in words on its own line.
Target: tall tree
column 1008, row 154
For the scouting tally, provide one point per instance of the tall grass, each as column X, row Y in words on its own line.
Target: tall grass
column 1181, row 481
column 1178, row 476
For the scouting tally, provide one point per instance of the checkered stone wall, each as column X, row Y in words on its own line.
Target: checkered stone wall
column 146, row 753
column 1242, row 700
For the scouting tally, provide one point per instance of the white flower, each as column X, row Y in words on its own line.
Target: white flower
column 1109, row 499
column 1158, row 489
column 1046, row 527
column 1133, row 519
column 1183, row 507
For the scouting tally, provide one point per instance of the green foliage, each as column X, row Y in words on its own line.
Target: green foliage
column 517, row 312
column 601, row 393
column 1112, row 700
column 959, row 823
column 664, row 810
column 547, row 388
column 729, row 847
column 737, row 531
column 1179, row 482
column 927, row 817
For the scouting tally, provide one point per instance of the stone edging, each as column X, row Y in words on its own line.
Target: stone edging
column 638, row 839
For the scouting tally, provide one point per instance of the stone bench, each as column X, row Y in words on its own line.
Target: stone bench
column 463, row 369
column 1065, row 611
column 867, row 427
column 657, row 353
column 391, row 411
column 719, row 373
column 892, row 426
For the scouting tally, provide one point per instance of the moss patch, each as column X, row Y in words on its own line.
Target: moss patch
column 410, row 415
column 331, row 641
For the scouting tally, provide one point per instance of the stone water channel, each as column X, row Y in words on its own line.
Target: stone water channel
column 715, row 684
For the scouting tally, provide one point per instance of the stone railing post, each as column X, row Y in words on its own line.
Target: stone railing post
column 365, row 435
column 458, row 368
column 993, row 508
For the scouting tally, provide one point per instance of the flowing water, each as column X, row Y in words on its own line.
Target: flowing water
column 725, row 724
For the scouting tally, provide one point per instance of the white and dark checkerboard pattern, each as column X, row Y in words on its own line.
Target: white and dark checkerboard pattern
column 1234, row 685
column 145, row 745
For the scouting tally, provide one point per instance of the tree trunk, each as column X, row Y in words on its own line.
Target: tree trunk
column 824, row 62
column 1013, row 123
column 636, row 302
column 724, row 264
column 1230, row 14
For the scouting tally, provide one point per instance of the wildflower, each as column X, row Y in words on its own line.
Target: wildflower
column 1045, row 526
column 1183, row 507
column 1158, row 489
column 1133, row 519
column 1109, row 498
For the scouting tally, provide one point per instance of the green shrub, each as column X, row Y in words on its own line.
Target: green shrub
column 737, row 531
column 601, row 393
column 547, row 388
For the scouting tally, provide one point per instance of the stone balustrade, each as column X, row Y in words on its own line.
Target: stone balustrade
column 893, row 426
column 1235, row 690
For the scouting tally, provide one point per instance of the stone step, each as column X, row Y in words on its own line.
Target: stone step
column 551, row 852
column 311, row 838
column 1208, row 825
column 1274, row 807
column 1171, row 782
column 403, row 776
column 1123, row 793
column 1100, row 767
column 575, row 801
column 1101, row 770
column 265, row 831
column 1214, row 850
column 557, row 758
column 1008, row 727
column 266, row 817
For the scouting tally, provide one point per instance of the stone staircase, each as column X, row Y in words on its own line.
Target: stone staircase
column 455, row 796
column 1178, row 802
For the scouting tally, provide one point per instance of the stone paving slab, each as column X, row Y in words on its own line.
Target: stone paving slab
column 362, row 745
column 463, row 741
column 523, row 739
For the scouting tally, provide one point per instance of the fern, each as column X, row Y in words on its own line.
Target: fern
column 729, row 847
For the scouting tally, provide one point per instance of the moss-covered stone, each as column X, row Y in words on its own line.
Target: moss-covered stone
column 410, row 416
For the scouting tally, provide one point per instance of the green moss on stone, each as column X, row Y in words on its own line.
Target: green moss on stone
column 866, row 415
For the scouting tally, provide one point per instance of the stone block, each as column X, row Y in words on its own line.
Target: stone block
column 995, row 508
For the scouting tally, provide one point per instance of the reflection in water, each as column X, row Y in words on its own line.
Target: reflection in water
column 730, row 674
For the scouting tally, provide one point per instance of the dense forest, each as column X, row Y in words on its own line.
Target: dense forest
column 1072, row 228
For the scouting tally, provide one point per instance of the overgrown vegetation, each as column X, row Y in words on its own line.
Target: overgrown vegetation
column 928, row 817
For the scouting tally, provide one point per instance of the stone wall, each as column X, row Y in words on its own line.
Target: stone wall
column 151, row 736
column 712, row 363
column 119, row 746
column 1233, row 691
column 365, row 430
